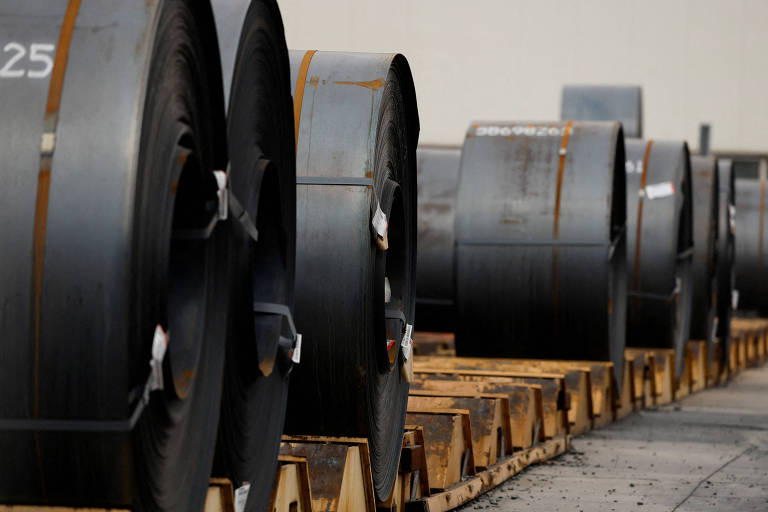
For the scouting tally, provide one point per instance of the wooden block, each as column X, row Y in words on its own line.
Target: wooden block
column 698, row 353
column 220, row 497
column 448, row 440
column 41, row 508
column 659, row 373
column 553, row 391
column 626, row 401
column 433, row 343
column 488, row 417
column 526, row 410
column 291, row 491
column 339, row 471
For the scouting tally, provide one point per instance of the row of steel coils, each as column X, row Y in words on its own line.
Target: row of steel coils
column 172, row 266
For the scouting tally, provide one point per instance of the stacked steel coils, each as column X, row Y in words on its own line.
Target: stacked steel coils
column 605, row 103
column 262, row 176
column 660, row 245
column 540, row 258
column 357, row 130
column 705, row 191
column 438, row 173
column 750, row 263
column 726, row 277
column 114, row 287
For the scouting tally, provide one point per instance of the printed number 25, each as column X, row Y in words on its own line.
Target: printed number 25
column 38, row 52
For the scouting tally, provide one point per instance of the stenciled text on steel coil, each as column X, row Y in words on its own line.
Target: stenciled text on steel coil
column 659, row 245
column 96, row 269
column 540, row 234
column 357, row 127
column 438, row 176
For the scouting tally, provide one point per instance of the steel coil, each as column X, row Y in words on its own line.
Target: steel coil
column 704, row 188
column 750, row 264
column 659, row 245
column 96, row 253
column 726, row 278
column 605, row 103
column 357, row 126
column 540, row 257
column 262, row 176
column 438, row 176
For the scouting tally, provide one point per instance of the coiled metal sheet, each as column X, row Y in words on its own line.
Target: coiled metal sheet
column 605, row 103
column 94, row 189
column 659, row 245
column 357, row 131
column 705, row 232
column 750, row 264
column 262, row 176
column 540, row 258
column 726, row 277
column 438, row 169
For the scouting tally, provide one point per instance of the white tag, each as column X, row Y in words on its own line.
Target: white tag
column 221, row 193
column 735, row 300
column 47, row 143
column 659, row 190
column 732, row 217
column 296, row 356
column 159, row 347
column 379, row 222
column 407, row 342
column 387, row 291
column 241, row 497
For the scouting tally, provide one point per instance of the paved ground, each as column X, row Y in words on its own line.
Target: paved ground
column 707, row 452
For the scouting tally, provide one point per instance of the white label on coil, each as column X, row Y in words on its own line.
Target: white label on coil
column 241, row 497
column 159, row 347
column 221, row 193
column 715, row 324
column 735, row 299
column 407, row 342
column 296, row 356
column 732, row 217
column 659, row 190
column 47, row 143
column 379, row 222
column 387, row 291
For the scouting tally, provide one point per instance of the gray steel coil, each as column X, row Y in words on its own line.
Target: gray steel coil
column 540, row 257
column 438, row 176
column 262, row 175
column 622, row 103
column 705, row 189
column 750, row 264
column 96, row 256
column 659, row 245
column 357, row 131
column 726, row 278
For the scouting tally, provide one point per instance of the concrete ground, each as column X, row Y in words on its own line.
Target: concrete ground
column 708, row 451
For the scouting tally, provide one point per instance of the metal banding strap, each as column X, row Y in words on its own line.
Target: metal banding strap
column 639, row 232
column 556, row 226
column 395, row 314
column 292, row 345
column 334, row 180
column 685, row 254
column 298, row 97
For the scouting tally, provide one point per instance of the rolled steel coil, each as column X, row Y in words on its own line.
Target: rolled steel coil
column 659, row 245
column 750, row 264
column 98, row 406
column 540, row 245
column 726, row 278
column 357, row 127
column 705, row 190
column 262, row 175
column 438, row 176
column 605, row 103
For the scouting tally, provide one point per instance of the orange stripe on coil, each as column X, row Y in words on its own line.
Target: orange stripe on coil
column 298, row 95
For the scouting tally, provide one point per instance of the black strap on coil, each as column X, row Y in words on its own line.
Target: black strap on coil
column 291, row 346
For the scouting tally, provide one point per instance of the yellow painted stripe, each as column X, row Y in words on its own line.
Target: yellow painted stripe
column 298, row 95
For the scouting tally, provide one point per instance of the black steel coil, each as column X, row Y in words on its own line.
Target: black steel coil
column 357, row 131
column 750, row 265
column 622, row 103
column 726, row 278
column 705, row 191
column 262, row 176
column 133, row 128
column 438, row 176
column 659, row 245
column 540, row 257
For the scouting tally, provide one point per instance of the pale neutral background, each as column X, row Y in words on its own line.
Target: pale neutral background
column 697, row 60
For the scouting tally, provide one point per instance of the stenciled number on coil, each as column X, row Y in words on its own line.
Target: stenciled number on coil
column 634, row 167
column 39, row 64
column 530, row 131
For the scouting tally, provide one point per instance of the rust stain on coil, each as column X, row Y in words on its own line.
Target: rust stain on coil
column 372, row 84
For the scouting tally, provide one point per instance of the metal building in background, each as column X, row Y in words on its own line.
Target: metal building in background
column 605, row 103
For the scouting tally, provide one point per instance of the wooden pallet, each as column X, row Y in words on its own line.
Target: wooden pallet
column 291, row 491
column 412, row 482
column 434, row 344
column 659, row 374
